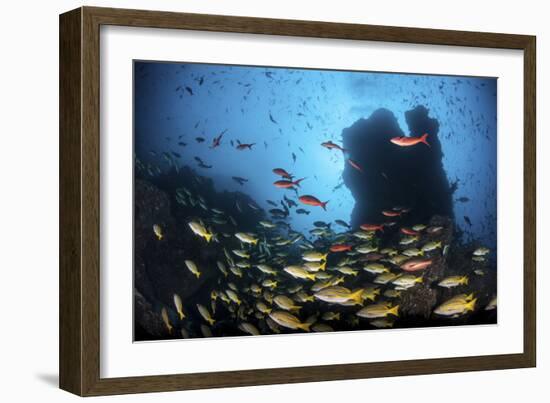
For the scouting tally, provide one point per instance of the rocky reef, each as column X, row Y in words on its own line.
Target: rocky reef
column 393, row 175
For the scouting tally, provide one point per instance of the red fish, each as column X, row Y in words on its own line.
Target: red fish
column 416, row 264
column 391, row 213
column 372, row 227
column 217, row 140
column 355, row 165
column 287, row 184
column 245, row 146
column 408, row 231
column 313, row 201
column 330, row 145
column 404, row 141
column 281, row 172
column 340, row 247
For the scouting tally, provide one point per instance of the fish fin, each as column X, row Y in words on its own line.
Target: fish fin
column 304, row 326
column 470, row 305
column 394, row 310
column 357, row 296
column 297, row 182
column 424, row 139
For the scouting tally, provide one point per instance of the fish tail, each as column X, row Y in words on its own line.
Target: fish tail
column 424, row 139
column 465, row 280
column 419, row 279
column 382, row 228
column 311, row 276
column 181, row 315
column 323, row 266
column 211, row 321
column 470, row 305
column 357, row 296
column 254, row 242
column 208, row 237
column 198, row 274
column 394, row 311
column 304, row 326
column 324, row 257
column 324, row 205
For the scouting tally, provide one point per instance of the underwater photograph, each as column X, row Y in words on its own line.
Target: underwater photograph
column 271, row 200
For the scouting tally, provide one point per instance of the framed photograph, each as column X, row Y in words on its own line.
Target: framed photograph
column 284, row 201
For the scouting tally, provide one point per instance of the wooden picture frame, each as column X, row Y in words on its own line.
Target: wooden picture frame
column 79, row 200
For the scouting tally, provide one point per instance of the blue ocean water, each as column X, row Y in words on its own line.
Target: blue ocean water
column 287, row 113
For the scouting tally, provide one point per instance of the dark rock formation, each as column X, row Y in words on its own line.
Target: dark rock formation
column 393, row 176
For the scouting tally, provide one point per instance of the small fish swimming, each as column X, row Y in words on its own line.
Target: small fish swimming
column 379, row 310
column 193, row 268
column 200, row 230
column 453, row 281
column 205, row 314
column 247, row 238
column 313, row 201
column 158, row 231
column 179, row 306
column 288, row 320
column 404, row 141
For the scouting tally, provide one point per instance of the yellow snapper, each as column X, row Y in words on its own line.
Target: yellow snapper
column 412, row 252
column 193, row 268
column 249, row 328
column 299, row 272
column 283, row 302
column 376, row 268
column 380, row 310
column 366, row 248
column 264, row 268
column 158, row 231
column 246, row 237
column 241, row 253
column 200, row 230
column 453, row 281
column 385, row 278
column 406, row 281
column 286, row 319
column 430, row 246
column 262, row 307
column 179, row 306
column 313, row 256
column 315, row 266
column 233, row 296
column 269, row 283
column 205, row 314
column 348, row 271
column 382, row 323
column 339, row 295
column 166, row 320
column 455, row 307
